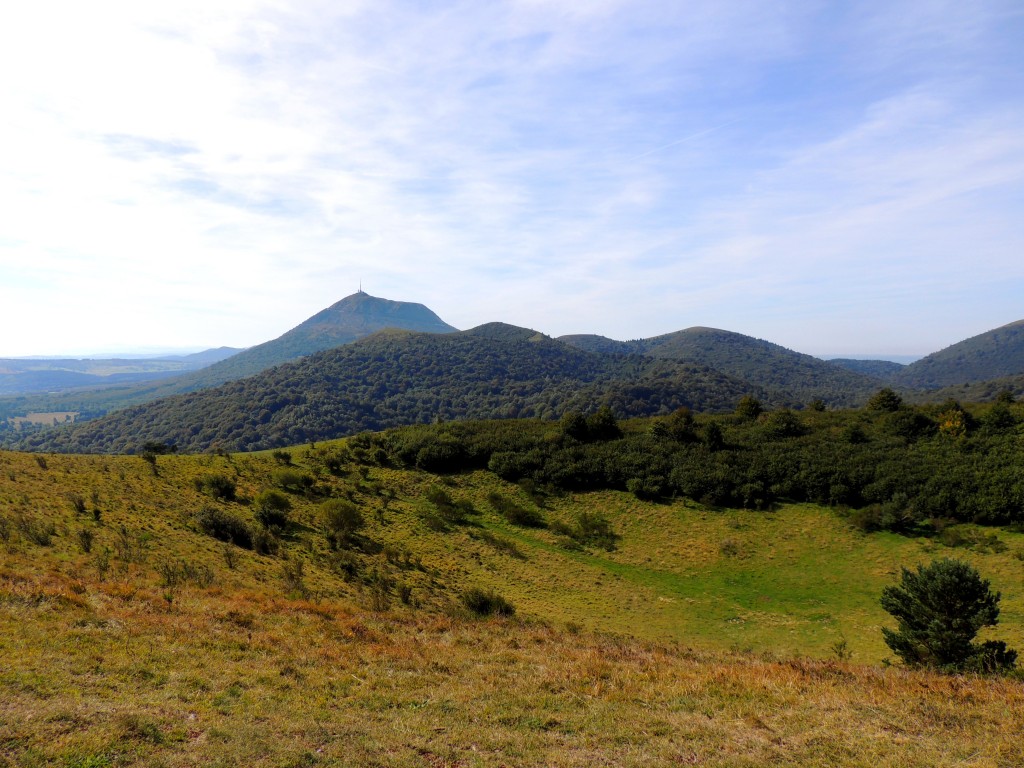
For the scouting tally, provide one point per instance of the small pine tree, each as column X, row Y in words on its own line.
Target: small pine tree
column 940, row 609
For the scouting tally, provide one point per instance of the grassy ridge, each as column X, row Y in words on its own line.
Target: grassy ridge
column 733, row 617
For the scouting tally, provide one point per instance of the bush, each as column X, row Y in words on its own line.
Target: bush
column 940, row 609
column 442, row 455
column 342, row 519
column 85, row 539
column 272, row 508
column 217, row 485
column 592, row 529
column 173, row 574
column 595, row 529
column 331, row 458
column 781, row 424
column 293, row 480
column 487, row 603
column 77, row 502
column 885, row 400
column 224, row 526
column 749, row 407
column 38, row 532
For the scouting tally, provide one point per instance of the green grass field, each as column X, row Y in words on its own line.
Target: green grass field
column 705, row 637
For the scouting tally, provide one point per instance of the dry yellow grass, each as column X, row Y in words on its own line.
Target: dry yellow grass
column 111, row 674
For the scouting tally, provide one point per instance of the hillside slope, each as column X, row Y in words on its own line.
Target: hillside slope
column 132, row 638
column 352, row 318
column 399, row 377
column 761, row 363
column 991, row 355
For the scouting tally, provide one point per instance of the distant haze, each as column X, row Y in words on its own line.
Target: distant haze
column 902, row 359
column 123, row 354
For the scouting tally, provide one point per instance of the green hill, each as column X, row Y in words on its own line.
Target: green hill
column 594, row 343
column 401, row 377
column 973, row 392
column 992, row 355
column 148, row 617
column 802, row 377
column 354, row 317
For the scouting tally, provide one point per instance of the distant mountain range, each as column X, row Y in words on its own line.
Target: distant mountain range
column 367, row 363
column 26, row 375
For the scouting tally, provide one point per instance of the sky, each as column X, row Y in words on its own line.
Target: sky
column 841, row 178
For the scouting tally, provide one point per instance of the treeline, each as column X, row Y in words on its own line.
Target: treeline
column 890, row 466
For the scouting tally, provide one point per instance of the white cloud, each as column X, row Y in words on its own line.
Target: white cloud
column 214, row 173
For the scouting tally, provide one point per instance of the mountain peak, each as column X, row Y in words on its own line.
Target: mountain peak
column 353, row 318
column 361, row 314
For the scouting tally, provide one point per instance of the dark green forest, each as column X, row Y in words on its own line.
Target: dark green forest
column 889, row 466
column 802, row 377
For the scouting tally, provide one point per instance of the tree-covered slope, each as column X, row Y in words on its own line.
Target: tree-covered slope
column 400, row 377
column 884, row 370
column 594, row 343
column 352, row 318
column 759, row 362
column 995, row 354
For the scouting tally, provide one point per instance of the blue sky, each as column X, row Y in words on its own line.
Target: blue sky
column 839, row 178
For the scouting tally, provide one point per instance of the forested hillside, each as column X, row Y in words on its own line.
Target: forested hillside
column 399, row 377
column 884, row 370
column 352, row 318
column 771, row 366
column 992, row 355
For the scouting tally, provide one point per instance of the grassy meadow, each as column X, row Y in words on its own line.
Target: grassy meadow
column 128, row 636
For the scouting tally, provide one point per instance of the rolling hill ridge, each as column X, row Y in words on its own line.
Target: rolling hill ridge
column 402, row 377
column 991, row 355
column 802, row 377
